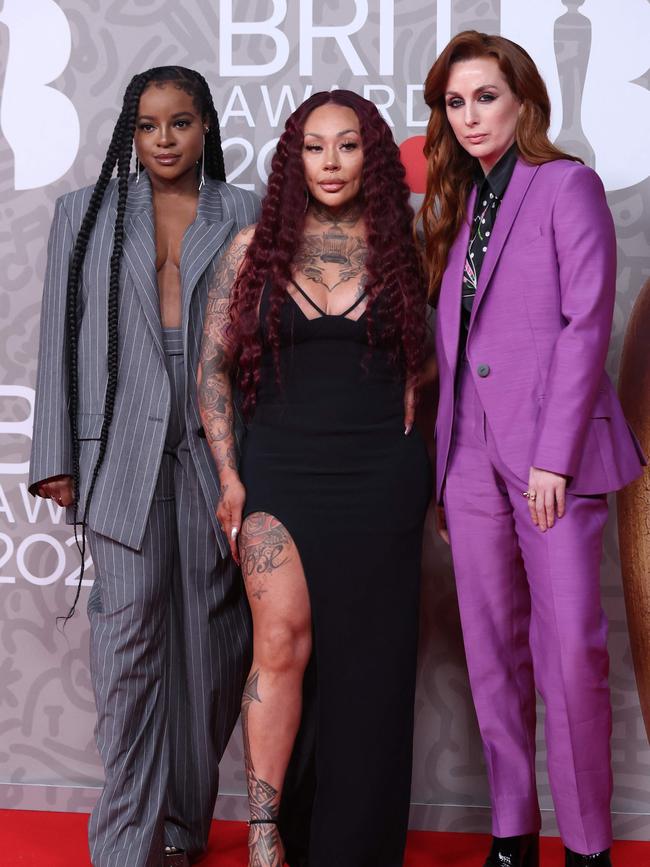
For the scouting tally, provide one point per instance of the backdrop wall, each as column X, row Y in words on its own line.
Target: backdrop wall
column 66, row 65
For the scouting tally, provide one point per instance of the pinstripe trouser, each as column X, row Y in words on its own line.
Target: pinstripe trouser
column 170, row 649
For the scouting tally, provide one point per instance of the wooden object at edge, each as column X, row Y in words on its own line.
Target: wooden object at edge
column 634, row 501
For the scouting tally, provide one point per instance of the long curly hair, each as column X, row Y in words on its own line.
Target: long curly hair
column 450, row 168
column 392, row 266
column 119, row 155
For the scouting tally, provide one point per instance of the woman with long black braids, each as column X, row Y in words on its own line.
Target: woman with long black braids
column 118, row 440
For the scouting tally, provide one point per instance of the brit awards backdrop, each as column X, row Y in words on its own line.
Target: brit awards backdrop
column 66, row 65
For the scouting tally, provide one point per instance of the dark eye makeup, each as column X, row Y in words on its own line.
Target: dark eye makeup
column 485, row 97
column 346, row 145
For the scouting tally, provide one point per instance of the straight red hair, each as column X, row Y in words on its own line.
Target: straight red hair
column 449, row 167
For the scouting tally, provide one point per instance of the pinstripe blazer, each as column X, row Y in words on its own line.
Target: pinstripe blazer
column 126, row 482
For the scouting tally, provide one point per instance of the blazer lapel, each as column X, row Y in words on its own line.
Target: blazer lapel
column 140, row 253
column 521, row 179
column 202, row 241
column 451, row 289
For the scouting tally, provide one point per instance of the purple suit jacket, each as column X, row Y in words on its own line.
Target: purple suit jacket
column 540, row 329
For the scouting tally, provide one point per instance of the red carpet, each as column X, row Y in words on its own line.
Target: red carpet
column 35, row 839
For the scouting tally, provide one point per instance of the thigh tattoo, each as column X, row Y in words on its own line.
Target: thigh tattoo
column 264, row 546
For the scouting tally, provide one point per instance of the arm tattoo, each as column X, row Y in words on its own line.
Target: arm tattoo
column 215, row 391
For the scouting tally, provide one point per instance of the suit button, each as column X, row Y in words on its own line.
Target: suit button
column 201, row 432
column 483, row 370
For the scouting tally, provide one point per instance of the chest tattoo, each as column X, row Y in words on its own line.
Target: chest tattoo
column 331, row 258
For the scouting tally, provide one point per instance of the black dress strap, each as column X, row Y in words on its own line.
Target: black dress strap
column 352, row 306
column 308, row 299
column 320, row 310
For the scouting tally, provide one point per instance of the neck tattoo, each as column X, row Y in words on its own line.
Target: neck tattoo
column 347, row 216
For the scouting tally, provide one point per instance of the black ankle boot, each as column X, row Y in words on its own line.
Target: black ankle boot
column 522, row 851
column 598, row 859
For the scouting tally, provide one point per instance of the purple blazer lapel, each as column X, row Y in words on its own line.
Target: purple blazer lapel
column 513, row 198
column 451, row 289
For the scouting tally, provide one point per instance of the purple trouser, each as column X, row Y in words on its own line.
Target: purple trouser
column 531, row 617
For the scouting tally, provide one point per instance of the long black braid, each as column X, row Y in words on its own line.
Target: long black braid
column 119, row 154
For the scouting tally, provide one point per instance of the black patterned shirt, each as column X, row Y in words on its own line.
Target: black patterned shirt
column 491, row 189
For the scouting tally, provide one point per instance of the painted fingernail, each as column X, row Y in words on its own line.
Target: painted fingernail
column 233, row 532
column 408, row 429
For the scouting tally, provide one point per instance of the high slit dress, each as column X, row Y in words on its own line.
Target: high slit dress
column 325, row 454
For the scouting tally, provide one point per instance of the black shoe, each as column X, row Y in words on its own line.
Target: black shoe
column 522, row 851
column 598, row 859
column 173, row 857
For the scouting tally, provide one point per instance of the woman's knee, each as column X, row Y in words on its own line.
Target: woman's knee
column 283, row 647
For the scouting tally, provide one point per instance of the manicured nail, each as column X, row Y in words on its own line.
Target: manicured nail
column 408, row 429
column 233, row 532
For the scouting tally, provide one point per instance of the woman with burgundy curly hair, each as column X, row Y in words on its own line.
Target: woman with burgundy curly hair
column 319, row 311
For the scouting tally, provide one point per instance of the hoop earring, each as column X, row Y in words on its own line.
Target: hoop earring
column 202, row 169
column 137, row 170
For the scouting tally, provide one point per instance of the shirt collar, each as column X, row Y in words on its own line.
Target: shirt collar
column 499, row 178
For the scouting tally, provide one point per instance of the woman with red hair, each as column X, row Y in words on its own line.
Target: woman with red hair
column 319, row 311
column 530, row 435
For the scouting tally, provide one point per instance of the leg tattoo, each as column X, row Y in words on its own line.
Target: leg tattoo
column 264, row 845
column 265, row 547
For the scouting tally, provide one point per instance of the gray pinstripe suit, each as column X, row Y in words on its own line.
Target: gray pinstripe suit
column 170, row 632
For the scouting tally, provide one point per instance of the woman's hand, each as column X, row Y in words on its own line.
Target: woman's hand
column 229, row 510
column 546, row 496
column 58, row 488
column 409, row 409
column 441, row 524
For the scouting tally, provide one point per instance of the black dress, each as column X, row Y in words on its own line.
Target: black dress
column 326, row 454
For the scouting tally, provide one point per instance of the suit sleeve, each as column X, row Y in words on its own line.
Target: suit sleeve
column 51, row 442
column 585, row 242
